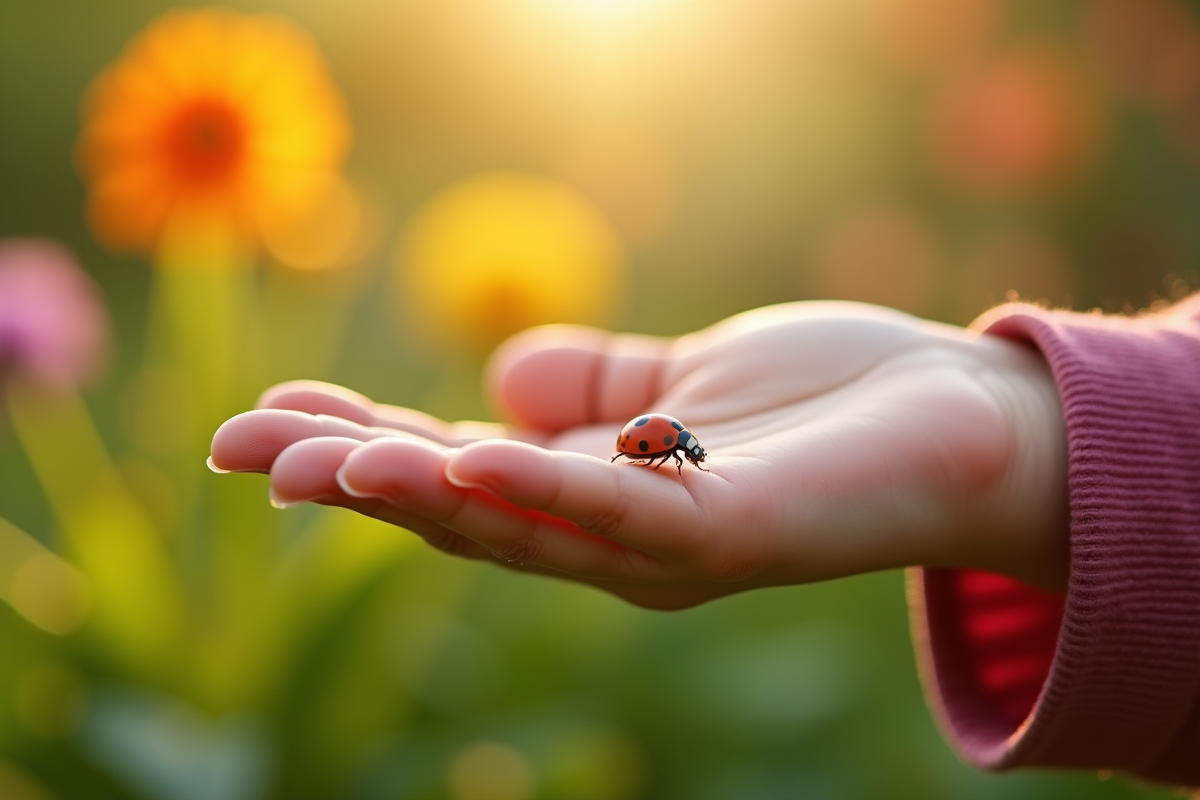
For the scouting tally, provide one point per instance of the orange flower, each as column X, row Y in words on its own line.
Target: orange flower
column 211, row 123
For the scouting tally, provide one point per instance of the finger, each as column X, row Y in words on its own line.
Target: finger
column 562, row 376
column 319, row 398
column 647, row 510
column 412, row 476
column 306, row 471
column 251, row 442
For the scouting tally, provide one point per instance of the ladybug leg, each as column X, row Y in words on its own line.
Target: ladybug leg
column 614, row 458
column 659, row 464
column 678, row 462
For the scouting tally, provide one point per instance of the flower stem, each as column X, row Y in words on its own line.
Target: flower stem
column 105, row 532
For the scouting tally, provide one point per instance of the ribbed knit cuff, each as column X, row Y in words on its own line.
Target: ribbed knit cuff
column 1121, row 689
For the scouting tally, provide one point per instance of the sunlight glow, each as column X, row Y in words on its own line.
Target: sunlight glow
column 608, row 17
column 610, row 7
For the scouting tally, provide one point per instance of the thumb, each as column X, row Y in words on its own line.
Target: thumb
column 559, row 376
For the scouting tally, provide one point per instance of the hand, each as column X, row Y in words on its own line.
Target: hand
column 842, row 438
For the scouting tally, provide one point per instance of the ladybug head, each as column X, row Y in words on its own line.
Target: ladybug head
column 691, row 447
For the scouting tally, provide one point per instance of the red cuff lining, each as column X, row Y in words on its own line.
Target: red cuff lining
column 1008, row 633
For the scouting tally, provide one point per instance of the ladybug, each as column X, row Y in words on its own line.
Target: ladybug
column 652, row 436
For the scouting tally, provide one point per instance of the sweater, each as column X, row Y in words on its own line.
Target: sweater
column 1106, row 677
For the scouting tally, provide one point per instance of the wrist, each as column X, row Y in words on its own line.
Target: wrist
column 1022, row 524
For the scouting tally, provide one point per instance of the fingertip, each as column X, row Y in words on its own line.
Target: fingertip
column 221, row 450
column 316, row 387
column 347, row 485
column 242, row 444
column 521, row 473
column 277, row 502
column 214, row 468
column 319, row 398
column 252, row 440
column 544, row 377
column 559, row 376
column 463, row 483
column 304, row 470
column 392, row 469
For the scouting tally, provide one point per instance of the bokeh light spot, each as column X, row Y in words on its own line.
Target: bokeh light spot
column 50, row 593
column 39, row 585
column 1023, row 120
column 490, row 771
column 503, row 251
column 884, row 253
column 325, row 230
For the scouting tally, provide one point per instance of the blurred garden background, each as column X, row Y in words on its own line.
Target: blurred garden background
column 198, row 203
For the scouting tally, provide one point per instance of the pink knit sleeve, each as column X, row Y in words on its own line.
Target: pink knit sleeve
column 1107, row 677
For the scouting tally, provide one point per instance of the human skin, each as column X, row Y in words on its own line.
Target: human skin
column 842, row 438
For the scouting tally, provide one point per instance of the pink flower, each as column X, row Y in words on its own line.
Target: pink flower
column 53, row 324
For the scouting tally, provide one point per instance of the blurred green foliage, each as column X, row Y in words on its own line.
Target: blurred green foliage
column 747, row 153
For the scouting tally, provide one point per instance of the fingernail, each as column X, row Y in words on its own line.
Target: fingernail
column 209, row 462
column 460, row 483
column 278, row 503
column 215, row 468
column 340, row 476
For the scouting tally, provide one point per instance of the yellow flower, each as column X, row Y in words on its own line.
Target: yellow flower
column 500, row 252
column 210, row 123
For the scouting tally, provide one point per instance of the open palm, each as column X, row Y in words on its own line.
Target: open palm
column 842, row 438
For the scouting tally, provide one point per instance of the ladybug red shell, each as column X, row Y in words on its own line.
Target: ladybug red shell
column 654, row 436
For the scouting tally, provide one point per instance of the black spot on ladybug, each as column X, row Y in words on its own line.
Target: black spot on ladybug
column 676, row 424
column 640, row 421
column 667, row 440
column 643, row 445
